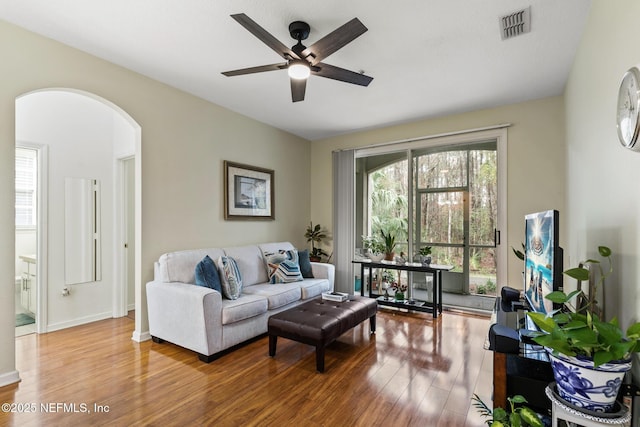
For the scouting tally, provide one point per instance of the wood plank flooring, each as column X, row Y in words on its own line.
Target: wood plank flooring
column 413, row 372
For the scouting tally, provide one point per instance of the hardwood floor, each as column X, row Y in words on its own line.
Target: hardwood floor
column 412, row 372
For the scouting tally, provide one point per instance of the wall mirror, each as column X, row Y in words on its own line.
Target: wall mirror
column 81, row 230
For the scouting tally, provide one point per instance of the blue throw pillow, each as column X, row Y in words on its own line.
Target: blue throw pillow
column 207, row 274
column 305, row 264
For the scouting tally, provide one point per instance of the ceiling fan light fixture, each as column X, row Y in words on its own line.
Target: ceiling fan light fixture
column 299, row 70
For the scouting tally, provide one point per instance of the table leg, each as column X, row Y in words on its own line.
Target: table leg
column 440, row 291
column 434, row 293
column 320, row 358
column 361, row 280
column 273, row 340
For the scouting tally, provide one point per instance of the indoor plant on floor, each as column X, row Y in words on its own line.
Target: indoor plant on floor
column 316, row 234
column 589, row 356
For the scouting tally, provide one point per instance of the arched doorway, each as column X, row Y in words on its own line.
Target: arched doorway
column 84, row 137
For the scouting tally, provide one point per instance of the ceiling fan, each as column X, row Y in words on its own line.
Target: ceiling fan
column 302, row 61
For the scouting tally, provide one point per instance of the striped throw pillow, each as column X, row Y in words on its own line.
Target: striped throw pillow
column 283, row 266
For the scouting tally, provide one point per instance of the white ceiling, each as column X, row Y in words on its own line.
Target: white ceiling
column 428, row 58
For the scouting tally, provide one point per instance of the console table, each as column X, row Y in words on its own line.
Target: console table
column 435, row 270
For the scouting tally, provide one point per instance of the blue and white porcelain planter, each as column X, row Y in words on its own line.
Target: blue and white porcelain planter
column 584, row 386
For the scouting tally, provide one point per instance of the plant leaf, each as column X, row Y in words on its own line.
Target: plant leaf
column 515, row 419
column 530, row 417
column 543, row 322
column 499, row 414
column 604, row 251
column 557, row 297
column 601, row 357
column 518, row 398
column 578, row 273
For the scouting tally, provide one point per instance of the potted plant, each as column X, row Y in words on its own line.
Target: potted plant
column 374, row 247
column 389, row 241
column 519, row 415
column 316, row 234
column 589, row 356
column 424, row 255
column 399, row 290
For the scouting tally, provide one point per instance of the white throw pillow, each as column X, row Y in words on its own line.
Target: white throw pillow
column 231, row 278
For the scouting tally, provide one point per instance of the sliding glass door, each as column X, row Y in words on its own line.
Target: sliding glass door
column 456, row 213
column 443, row 196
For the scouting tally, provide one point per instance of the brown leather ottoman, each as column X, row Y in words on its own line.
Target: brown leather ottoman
column 319, row 322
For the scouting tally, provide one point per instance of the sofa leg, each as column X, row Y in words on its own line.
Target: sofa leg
column 157, row 340
column 207, row 359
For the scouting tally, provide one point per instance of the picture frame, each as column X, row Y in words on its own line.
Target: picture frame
column 248, row 192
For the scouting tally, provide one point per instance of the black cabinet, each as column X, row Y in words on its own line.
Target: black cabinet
column 518, row 367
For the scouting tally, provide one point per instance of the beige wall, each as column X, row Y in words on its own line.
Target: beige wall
column 602, row 187
column 184, row 141
column 535, row 162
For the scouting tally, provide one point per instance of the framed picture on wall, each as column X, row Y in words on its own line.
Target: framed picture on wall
column 248, row 192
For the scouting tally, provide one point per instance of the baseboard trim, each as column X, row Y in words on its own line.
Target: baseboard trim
column 9, row 378
column 78, row 321
column 140, row 337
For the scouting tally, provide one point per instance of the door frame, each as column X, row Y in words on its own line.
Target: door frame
column 42, row 197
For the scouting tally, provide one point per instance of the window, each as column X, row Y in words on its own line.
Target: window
column 26, row 179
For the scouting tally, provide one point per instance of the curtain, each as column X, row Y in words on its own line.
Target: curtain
column 344, row 218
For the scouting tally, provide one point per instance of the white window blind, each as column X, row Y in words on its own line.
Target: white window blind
column 26, row 179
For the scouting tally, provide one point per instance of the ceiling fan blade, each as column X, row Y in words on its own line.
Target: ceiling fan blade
column 259, row 69
column 337, row 73
column 334, row 41
column 298, row 88
column 264, row 36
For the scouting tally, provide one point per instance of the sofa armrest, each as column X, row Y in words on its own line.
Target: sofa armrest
column 187, row 315
column 323, row 270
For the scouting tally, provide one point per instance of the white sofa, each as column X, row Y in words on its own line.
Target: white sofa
column 202, row 320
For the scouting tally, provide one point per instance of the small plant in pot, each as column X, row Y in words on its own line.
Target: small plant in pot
column 400, row 290
column 389, row 241
column 589, row 356
column 374, row 247
column 316, row 234
column 424, row 255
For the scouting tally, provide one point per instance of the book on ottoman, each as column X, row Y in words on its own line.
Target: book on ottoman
column 335, row 296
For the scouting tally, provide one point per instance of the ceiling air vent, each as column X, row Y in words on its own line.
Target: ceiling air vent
column 516, row 23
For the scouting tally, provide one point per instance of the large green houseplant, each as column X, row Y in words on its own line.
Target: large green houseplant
column 316, row 234
column 579, row 331
column 577, row 338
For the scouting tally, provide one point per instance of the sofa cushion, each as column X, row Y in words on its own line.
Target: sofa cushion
column 231, row 277
column 250, row 263
column 305, row 264
column 180, row 266
column 245, row 307
column 278, row 295
column 312, row 288
column 207, row 274
column 282, row 266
